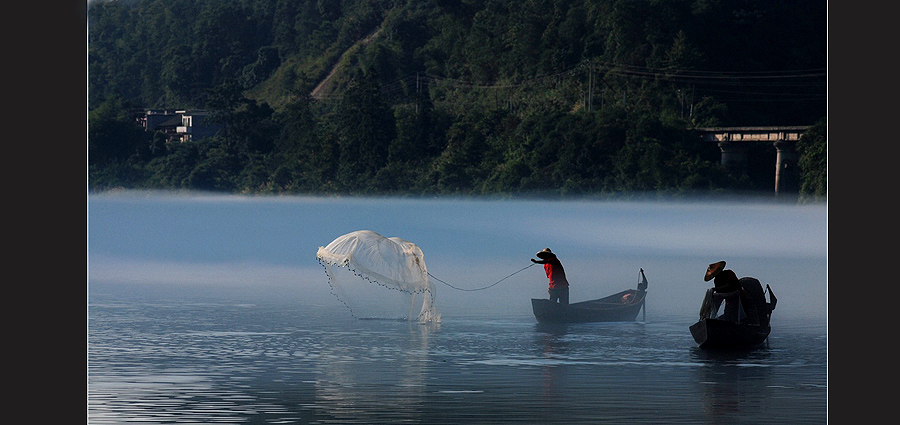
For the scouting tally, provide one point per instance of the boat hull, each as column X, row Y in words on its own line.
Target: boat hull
column 607, row 309
column 715, row 333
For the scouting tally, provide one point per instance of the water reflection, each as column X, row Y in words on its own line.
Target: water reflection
column 734, row 383
column 379, row 377
column 556, row 329
column 221, row 364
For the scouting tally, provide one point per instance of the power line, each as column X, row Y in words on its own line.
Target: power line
column 706, row 80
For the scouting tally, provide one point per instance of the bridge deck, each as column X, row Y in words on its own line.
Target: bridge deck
column 753, row 134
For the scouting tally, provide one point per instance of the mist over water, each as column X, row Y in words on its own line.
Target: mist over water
column 265, row 247
column 214, row 309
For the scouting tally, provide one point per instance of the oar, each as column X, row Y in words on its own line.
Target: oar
column 642, row 286
column 644, row 310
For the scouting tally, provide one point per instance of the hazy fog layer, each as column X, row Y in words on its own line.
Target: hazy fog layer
column 264, row 247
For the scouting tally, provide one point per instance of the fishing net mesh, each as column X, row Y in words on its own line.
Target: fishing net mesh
column 368, row 273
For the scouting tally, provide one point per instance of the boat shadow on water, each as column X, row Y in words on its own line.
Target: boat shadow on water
column 726, row 355
column 556, row 329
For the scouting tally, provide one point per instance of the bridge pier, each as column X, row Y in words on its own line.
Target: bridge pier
column 787, row 171
column 734, row 157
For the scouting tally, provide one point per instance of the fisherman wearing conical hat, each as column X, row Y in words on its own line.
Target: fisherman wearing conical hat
column 559, row 286
column 727, row 286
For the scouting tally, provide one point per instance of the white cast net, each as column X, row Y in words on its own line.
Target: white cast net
column 374, row 276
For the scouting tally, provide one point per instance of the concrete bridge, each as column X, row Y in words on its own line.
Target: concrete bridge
column 734, row 142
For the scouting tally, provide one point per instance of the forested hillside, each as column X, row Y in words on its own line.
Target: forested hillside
column 463, row 97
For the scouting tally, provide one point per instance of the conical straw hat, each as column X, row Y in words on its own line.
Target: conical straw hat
column 545, row 254
column 713, row 270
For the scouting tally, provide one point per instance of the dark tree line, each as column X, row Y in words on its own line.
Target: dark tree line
column 554, row 98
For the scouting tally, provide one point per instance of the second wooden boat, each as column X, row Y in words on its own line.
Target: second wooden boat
column 623, row 306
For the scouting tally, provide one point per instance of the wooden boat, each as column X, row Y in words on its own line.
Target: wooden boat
column 718, row 333
column 751, row 330
column 620, row 307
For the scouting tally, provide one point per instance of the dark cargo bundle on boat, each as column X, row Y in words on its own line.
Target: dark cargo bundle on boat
column 746, row 325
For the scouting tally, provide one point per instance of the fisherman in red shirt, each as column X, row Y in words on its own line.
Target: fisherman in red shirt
column 559, row 286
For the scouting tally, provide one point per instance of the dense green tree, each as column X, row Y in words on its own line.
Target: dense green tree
column 420, row 132
column 562, row 98
column 364, row 126
column 171, row 171
column 267, row 60
column 108, row 32
column 659, row 156
column 220, row 165
column 813, row 162
column 300, row 160
column 253, row 128
column 113, row 134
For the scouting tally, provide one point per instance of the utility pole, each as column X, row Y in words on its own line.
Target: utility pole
column 692, row 103
column 591, row 89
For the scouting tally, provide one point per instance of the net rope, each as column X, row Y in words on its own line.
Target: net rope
column 483, row 287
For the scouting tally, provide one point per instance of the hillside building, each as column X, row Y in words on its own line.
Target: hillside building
column 179, row 125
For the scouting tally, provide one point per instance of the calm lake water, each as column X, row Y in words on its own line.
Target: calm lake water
column 213, row 309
